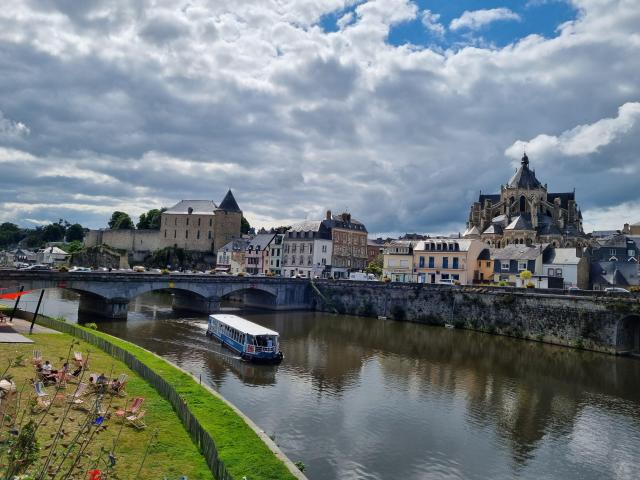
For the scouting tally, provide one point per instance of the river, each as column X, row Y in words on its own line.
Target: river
column 360, row 398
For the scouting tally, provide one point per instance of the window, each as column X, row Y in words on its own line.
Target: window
column 175, row 232
column 301, row 260
column 551, row 272
column 309, row 260
column 186, row 234
column 198, row 235
column 522, row 265
column 404, row 263
column 455, row 277
column 558, row 272
column 324, row 249
column 310, row 248
column 187, row 220
column 209, row 234
column 175, row 221
column 421, row 262
column 432, row 262
column 455, row 263
column 488, row 264
column 198, row 221
column 505, row 265
column 393, row 263
column 444, row 276
column 210, row 221
column 324, row 261
column 631, row 253
column 445, row 262
column 165, row 234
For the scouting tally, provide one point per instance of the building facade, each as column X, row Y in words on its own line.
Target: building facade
column 510, row 261
column 526, row 213
column 275, row 255
column 569, row 264
column 444, row 260
column 614, row 262
column 231, row 257
column 307, row 250
column 349, row 244
column 257, row 254
column 397, row 260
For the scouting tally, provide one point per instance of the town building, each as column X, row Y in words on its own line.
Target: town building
column 526, row 213
column 375, row 248
column 194, row 225
column 275, row 255
column 349, row 244
column 444, row 260
column 257, row 254
column 570, row 264
column 52, row 256
column 511, row 260
column 307, row 250
column 231, row 257
column 632, row 229
column 614, row 262
column 485, row 266
column 397, row 260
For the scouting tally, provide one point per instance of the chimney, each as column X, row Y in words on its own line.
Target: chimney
column 626, row 229
column 328, row 215
column 346, row 217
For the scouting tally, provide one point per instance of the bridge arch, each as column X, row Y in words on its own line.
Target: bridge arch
column 252, row 296
column 628, row 335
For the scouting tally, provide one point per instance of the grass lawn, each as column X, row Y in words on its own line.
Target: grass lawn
column 171, row 455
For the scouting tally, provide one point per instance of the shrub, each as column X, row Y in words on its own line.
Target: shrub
column 240, row 274
column 530, row 285
column 63, row 269
column 300, row 465
column 91, row 325
column 165, row 271
column 502, row 283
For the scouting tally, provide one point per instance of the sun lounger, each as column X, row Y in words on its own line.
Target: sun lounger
column 136, row 403
column 136, row 420
column 37, row 358
column 76, row 397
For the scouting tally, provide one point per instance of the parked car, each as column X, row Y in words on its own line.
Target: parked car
column 573, row 289
column 616, row 290
column 37, row 267
column 138, row 268
column 79, row 269
column 446, row 281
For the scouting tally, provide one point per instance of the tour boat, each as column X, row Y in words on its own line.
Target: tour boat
column 251, row 341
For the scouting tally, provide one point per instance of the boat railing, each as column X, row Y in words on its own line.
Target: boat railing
column 259, row 349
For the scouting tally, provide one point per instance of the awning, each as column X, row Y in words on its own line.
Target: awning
column 14, row 295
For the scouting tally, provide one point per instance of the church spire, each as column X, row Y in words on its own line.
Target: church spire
column 525, row 160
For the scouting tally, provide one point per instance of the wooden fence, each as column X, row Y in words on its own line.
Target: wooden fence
column 199, row 435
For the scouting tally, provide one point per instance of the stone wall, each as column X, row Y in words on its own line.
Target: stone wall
column 594, row 323
column 130, row 240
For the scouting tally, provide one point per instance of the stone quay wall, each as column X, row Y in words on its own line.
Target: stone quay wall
column 600, row 323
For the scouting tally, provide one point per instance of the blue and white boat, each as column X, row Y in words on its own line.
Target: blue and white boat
column 251, row 341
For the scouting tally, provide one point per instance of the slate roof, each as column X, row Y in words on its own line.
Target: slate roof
column 518, row 252
column 495, row 198
column 521, row 222
column 236, row 245
column 494, row 228
column 485, row 254
column 337, row 221
column 262, row 240
column 561, row 256
column 471, row 231
column 229, row 203
column 200, row 207
column 564, row 198
column 549, row 229
column 524, row 177
column 463, row 245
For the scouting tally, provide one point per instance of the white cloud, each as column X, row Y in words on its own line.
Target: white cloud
column 476, row 19
column 11, row 130
column 432, row 23
column 583, row 139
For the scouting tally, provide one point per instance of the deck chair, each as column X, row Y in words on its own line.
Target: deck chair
column 42, row 396
column 122, row 381
column 37, row 358
column 136, row 420
column 77, row 358
column 136, row 403
column 75, row 398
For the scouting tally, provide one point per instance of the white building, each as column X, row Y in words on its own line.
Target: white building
column 231, row 257
column 275, row 257
column 52, row 256
column 570, row 264
column 306, row 250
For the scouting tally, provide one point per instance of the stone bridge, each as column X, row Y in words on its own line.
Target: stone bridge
column 107, row 294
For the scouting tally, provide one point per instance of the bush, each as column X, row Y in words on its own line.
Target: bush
column 63, row 269
column 240, row 274
column 530, row 285
column 502, row 283
column 165, row 271
column 91, row 325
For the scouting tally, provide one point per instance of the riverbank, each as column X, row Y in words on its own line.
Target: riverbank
column 230, row 442
column 171, row 453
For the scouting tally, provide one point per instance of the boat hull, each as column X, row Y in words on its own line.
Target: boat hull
column 259, row 357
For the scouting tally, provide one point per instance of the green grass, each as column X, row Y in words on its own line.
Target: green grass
column 239, row 447
column 172, row 455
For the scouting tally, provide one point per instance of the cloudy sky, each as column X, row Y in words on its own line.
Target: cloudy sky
column 399, row 111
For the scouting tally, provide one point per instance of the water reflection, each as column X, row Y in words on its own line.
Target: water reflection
column 363, row 398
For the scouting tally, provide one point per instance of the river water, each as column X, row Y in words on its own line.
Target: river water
column 359, row 398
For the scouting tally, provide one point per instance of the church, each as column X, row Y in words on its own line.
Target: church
column 524, row 212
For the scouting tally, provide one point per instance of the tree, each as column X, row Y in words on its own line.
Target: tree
column 53, row 232
column 524, row 276
column 151, row 219
column 10, row 234
column 75, row 232
column 244, row 226
column 120, row 221
column 375, row 266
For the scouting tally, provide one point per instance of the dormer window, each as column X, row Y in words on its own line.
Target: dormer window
column 613, row 259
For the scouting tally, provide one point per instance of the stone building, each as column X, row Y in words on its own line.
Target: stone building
column 349, row 238
column 397, row 260
column 230, row 258
column 257, row 254
column 194, row 225
column 525, row 212
column 442, row 260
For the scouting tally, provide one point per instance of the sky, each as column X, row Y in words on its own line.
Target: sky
column 397, row 111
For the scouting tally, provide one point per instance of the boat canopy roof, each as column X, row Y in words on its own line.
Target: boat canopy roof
column 243, row 325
